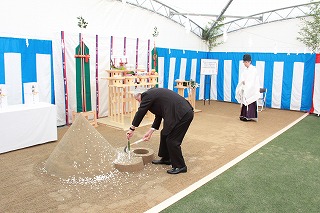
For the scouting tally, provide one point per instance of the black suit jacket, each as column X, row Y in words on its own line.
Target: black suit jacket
column 164, row 104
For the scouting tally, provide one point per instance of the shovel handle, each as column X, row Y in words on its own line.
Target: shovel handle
column 138, row 141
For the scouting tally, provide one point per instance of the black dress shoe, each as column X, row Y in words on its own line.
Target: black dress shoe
column 162, row 161
column 245, row 119
column 177, row 170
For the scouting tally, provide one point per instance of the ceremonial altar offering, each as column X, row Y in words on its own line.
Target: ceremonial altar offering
column 31, row 93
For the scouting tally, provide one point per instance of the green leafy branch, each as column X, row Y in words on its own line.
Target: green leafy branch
column 81, row 22
column 155, row 32
column 210, row 37
column 309, row 33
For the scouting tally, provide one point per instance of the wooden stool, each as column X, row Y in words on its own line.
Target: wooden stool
column 93, row 113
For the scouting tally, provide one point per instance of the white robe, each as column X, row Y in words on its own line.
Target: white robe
column 248, row 88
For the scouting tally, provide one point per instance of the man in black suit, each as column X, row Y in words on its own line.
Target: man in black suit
column 177, row 114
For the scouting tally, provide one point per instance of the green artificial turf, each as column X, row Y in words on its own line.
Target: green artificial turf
column 282, row 176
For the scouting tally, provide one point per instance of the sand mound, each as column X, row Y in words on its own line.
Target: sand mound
column 82, row 152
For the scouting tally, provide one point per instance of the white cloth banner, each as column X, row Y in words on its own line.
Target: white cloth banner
column 297, row 82
column 12, row 63
column 227, row 80
column 277, row 84
column 43, row 64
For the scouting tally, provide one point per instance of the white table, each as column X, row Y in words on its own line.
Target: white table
column 27, row 125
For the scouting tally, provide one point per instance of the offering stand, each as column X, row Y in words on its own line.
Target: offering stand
column 122, row 104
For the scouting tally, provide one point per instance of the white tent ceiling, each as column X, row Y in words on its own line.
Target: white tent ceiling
column 236, row 8
column 198, row 15
column 67, row 10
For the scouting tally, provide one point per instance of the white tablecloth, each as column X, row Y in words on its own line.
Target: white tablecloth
column 27, row 125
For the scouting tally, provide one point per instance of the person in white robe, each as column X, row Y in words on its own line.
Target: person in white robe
column 248, row 91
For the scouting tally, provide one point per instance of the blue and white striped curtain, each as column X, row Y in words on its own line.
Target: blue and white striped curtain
column 23, row 61
column 288, row 77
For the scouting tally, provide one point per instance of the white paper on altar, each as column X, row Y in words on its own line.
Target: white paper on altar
column 31, row 93
column 3, row 96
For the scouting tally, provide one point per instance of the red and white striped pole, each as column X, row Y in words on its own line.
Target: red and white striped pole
column 125, row 48
column 83, row 75
column 316, row 88
column 97, row 77
column 64, row 69
column 137, row 52
column 148, row 59
column 111, row 53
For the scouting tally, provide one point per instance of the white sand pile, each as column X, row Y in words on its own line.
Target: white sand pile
column 82, row 152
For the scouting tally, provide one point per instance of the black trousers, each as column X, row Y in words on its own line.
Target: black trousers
column 170, row 145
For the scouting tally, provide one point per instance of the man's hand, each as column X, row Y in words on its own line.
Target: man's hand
column 148, row 135
column 129, row 134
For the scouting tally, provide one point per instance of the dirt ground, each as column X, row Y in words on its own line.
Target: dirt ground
column 215, row 137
